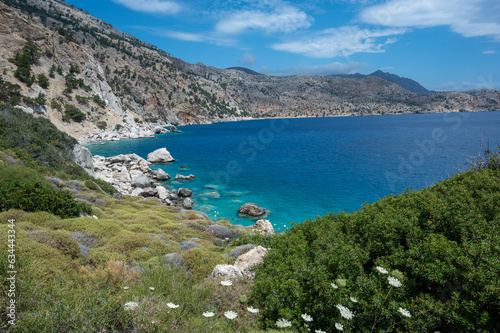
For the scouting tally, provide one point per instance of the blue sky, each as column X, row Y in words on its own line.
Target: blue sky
column 442, row 44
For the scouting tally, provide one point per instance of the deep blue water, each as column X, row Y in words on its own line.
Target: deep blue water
column 302, row 168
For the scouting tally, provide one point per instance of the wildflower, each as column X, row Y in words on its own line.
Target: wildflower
column 404, row 312
column 394, row 282
column 339, row 326
column 282, row 323
column 208, row 314
column 306, row 317
column 345, row 312
column 319, row 331
column 130, row 306
column 252, row 310
column 381, row 270
column 334, row 286
column 354, row 300
column 172, row 305
column 151, row 288
column 230, row 314
column 125, row 288
column 226, row 283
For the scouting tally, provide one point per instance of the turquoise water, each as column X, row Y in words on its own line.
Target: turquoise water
column 301, row 168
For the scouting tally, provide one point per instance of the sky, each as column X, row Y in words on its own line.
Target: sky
column 442, row 44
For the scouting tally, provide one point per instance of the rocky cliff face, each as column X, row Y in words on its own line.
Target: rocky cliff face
column 126, row 88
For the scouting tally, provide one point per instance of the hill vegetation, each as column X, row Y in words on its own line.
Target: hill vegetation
column 422, row 261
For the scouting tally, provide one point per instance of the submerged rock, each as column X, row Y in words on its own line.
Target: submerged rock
column 252, row 209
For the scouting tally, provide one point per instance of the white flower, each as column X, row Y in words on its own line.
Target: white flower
column 125, row 288
column 230, row 314
column 151, row 288
column 404, row 312
column 252, row 310
column 208, row 314
column 345, row 312
column 130, row 306
column 306, row 317
column 381, row 270
column 394, row 282
column 319, row 331
column 339, row 326
column 282, row 323
column 353, row 299
column 226, row 283
column 172, row 305
column 334, row 286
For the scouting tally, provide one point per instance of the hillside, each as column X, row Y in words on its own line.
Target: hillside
column 403, row 82
column 102, row 84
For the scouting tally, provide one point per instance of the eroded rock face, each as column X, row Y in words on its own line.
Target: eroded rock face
column 247, row 261
column 252, row 209
column 83, row 157
column 185, row 192
column 160, row 156
column 161, row 175
column 263, row 227
column 228, row 271
column 188, row 203
column 221, row 231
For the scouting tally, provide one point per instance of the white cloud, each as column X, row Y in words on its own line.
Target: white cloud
column 471, row 18
column 248, row 59
column 343, row 41
column 269, row 16
column 489, row 52
column 306, row 69
column 481, row 83
column 151, row 6
column 205, row 37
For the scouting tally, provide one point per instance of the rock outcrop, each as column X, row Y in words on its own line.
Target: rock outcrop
column 252, row 209
column 247, row 261
column 181, row 177
column 160, row 156
column 263, row 227
column 227, row 271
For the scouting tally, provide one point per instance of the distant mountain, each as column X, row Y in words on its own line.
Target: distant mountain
column 246, row 70
column 403, row 82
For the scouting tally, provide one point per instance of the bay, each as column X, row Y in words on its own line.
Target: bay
column 306, row 167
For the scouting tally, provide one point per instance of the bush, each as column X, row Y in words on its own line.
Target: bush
column 441, row 243
column 73, row 113
column 99, row 101
column 102, row 125
column 24, row 188
column 43, row 81
column 9, row 93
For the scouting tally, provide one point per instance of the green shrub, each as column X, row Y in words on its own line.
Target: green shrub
column 99, row 101
column 440, row 242
column 102, row 125
column 24, row 188
column 9, row 93
column 43, row 81
column 73, row 113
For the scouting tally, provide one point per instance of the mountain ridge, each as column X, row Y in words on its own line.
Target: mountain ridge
column 129, row 86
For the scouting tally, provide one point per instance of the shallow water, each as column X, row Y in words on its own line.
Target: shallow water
column 302, row 168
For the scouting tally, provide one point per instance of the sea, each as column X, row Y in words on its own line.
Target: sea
column 302, row 168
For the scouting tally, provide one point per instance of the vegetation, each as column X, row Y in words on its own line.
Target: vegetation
column 9, row 93
column 439, row 246
column 28, row 56
column 26, row 189
column 102, row 125
column 73, row 113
